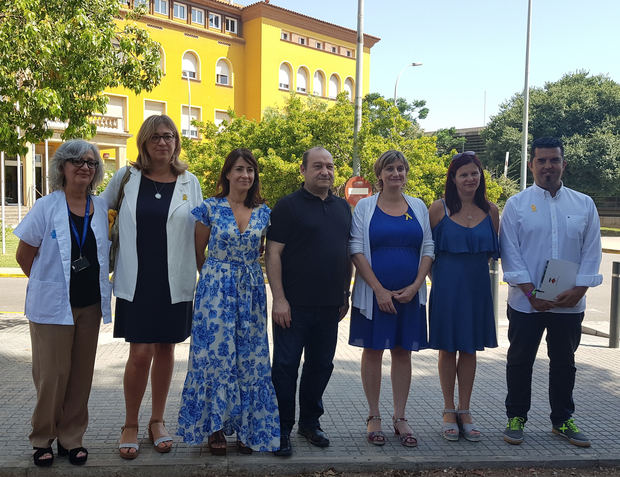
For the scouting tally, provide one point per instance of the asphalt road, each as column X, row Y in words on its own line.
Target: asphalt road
column 13, row 292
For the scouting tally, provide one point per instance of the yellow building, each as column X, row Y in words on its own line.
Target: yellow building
column 216, row 56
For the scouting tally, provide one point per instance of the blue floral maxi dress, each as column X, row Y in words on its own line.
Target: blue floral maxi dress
column 228, row 384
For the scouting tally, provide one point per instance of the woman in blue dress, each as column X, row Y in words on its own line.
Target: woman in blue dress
column 392, row 249
column 228, row 386
column 461, row 318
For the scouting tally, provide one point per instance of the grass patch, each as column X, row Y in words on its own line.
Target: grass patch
column 610, row 232
column 8, row 259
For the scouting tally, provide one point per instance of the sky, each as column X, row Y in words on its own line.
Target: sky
column 475, row 49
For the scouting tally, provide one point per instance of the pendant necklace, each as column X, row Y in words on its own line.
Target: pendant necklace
column 157, row 191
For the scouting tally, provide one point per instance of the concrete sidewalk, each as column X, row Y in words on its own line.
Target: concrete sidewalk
column 597, row 395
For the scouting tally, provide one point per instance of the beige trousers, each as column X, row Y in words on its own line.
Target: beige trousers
column 63, row 358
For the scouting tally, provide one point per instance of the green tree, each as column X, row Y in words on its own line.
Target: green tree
column 581, row 109
column 57, row 57
column 279, row 140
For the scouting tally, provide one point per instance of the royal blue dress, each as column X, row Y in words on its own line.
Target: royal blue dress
column 461, row 316
column 228, row 384
column 395, row 243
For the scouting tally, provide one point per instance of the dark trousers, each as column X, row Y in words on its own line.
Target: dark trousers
column 314, row 330
column 563, row 336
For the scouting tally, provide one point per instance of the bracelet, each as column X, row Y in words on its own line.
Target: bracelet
column 531, row 293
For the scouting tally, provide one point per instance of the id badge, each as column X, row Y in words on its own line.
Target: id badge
column 80, row 264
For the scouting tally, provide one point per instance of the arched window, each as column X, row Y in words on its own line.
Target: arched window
column 334, row 86
column 190, row 65
column 348, row 88
column 302, row 80
column 222, row 73
column 285, row 76
column 318, row 87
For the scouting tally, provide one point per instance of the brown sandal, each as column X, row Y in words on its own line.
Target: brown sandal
column 160, row 440
column 215, row 443
column 243, row 449
column 406, row 439
column 128, row 445
column 376, row 438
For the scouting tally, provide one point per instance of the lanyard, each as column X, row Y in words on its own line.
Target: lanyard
column 80, row 243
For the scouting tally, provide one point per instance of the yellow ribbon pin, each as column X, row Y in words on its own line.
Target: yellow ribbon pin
column 407, row 216
column 184, row 196
column 533, row 208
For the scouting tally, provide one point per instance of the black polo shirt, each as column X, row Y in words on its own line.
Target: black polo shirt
column 315, row 234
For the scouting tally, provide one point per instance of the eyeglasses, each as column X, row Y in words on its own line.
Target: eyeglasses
column 79, row 162
column 155, row 138
column 463, row 154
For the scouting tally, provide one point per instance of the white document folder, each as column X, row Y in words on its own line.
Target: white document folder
column 559, row 276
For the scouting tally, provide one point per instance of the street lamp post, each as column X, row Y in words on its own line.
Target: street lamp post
column 398, row 78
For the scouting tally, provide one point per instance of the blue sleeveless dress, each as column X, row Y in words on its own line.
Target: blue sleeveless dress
column 461, row 316
column 395, row 243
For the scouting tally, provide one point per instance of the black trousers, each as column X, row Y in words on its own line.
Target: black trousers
column 314, row 330
column 563, row 336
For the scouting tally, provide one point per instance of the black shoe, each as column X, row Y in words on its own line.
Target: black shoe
column 285, row 450
column 315, row 436
column 39, row 452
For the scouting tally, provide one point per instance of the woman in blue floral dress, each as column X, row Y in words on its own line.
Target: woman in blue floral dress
column 228, row 386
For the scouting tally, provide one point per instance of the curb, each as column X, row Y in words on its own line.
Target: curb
column 252, row 466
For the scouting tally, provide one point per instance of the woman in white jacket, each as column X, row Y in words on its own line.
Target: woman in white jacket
column 392, row 249
column 155, row 272
column 63, row 250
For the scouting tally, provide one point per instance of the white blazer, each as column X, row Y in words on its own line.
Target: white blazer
column 360, row 243
column 46, row 226
column 179, row 230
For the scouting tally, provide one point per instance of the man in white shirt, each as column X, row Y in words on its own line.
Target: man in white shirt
column 546, row 221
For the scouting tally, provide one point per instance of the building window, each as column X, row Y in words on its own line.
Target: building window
column 334, row 86
column 215, row 20
column 180, row 11
column 139, row 3
column 349, row 53
column 221, row 117
column 302, row 41
column 348, row 88
column 198, row 16
column 231, row 25
column 162, row 60
column 190, row 66
column 284, row 36
column 302, row 80
column 222, row 73
column 154, row 108
column 319, row 84
column 160, row 6
column 319, row 45
column 334, row 49
column 285, row 77
column 187, row 128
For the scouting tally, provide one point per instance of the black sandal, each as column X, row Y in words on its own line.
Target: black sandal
column 39, row 452
column 73, row 454
column 243, row 449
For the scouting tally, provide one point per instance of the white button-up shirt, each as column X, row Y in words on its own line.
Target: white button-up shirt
column 536, row 227
column 47, row 227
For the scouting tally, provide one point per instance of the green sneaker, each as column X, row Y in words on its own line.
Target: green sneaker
column 570, row 431
column 513, row 434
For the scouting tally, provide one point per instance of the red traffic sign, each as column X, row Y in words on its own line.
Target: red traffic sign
column 356, row 189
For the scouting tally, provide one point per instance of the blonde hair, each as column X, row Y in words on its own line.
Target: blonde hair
column 148, row 129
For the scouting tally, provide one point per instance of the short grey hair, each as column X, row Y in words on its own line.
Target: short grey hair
column 73, row 149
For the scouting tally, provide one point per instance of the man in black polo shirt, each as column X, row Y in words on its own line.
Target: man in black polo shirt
column 309, row 274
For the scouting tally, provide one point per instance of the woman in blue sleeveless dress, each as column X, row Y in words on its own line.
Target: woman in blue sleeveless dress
column 228, row 387
column 392, row 249
column 461, row 318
